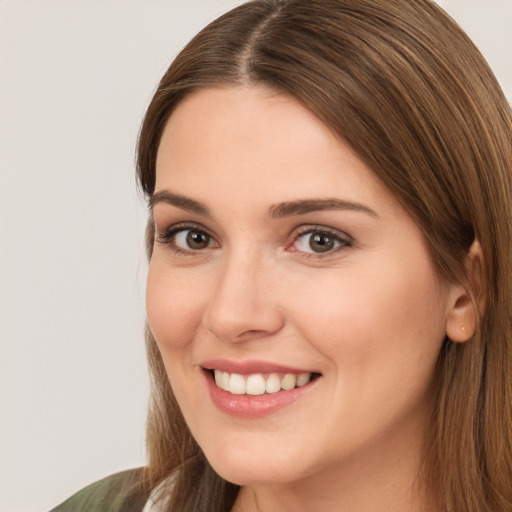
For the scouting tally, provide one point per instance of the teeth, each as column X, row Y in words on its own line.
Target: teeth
column 225, row 381
column 273, row 383
column 303, row 379
column 237, row 384
column 288, row 382
column 257, row 384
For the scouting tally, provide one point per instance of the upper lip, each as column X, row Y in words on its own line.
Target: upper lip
column 250, row 367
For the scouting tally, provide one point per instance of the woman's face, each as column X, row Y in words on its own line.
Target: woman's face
column 283, row 265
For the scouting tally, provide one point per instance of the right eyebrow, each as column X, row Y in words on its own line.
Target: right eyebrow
column 185, row 203
column 305, row 206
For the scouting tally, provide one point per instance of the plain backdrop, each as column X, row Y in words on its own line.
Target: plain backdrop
column 75, row 78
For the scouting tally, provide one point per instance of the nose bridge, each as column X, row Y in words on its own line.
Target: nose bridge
column 243, row 305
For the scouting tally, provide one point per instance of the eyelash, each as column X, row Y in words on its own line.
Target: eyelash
column 344, row 241
column 168, row 237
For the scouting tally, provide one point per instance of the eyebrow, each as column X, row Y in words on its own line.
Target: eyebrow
column 304, row 206
column 183, row 202
column 280, row 210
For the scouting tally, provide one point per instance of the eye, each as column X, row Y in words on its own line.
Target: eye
column 320, row 241
column 192, row 239
column 186, row 239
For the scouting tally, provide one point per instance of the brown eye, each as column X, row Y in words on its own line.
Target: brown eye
column 190, row 240
column 321, row 242
column 195, row 240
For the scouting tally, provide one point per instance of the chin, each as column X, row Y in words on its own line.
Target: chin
column 256, row 467
column 245, row 474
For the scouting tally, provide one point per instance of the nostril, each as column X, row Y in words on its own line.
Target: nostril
column 251, row 334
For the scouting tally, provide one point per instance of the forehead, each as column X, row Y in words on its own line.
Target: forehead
column 253, row 119
column 250, row 138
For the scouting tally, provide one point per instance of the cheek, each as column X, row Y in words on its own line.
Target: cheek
column 390, row 313
column 174, row 306
column 381, row 333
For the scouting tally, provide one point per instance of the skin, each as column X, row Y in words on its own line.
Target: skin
column 370, row 315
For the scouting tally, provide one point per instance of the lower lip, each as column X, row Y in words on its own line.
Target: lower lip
column 250, row 406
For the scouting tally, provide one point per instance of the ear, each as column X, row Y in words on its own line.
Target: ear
column 464, row 310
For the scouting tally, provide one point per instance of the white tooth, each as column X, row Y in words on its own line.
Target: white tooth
column 237, row 384
column 218, row 378
column 273, row 383
column 225, row 381
column 288, row 382
column 303, row 379
column 255, row 384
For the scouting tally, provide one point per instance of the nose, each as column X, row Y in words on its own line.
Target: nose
column 244, row 305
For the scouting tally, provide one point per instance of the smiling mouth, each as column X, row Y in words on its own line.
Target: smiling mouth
column 259, row 383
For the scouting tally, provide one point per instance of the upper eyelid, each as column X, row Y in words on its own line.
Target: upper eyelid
column 303, row 230
column 168, row 236
column 344, row 239
column 172, row 229
column 183, row 226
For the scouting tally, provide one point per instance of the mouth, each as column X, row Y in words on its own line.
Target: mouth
column 255, row 389
column 256, row 384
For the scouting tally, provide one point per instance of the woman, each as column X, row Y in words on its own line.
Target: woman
column 329, row 289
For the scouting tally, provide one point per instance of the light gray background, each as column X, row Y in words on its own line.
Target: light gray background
column 75, row 78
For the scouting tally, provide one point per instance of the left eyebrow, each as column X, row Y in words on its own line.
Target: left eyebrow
column 180, row 201
column 301, row 207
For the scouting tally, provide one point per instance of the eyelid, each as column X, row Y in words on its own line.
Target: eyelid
column 180, row 226
column 167, row 236
column 312, row 228
column 344, row 238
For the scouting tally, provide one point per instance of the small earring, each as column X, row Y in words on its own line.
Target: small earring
column 463, row 329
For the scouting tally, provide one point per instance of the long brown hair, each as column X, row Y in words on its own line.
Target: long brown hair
column 402, row 84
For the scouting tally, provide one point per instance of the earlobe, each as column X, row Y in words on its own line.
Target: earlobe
column 462, row 319
column 467, row 298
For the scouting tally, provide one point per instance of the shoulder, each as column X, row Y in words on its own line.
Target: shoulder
column 116, row 493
